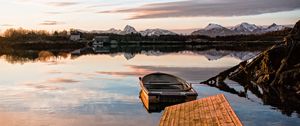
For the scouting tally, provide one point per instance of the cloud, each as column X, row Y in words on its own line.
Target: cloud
column 54, row 72
column 51, row 23
column 61, row 4
column 54, row 13
column 195, row 8
column 6, row 25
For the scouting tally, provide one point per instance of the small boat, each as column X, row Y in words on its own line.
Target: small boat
column 162, row 88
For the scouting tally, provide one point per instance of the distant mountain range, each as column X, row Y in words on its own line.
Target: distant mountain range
column 129, row 30
column 210, row 30
column 243, row 28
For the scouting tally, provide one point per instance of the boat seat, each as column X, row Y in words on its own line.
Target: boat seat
column 164, row 87
column 161, row 83
column 166, row 90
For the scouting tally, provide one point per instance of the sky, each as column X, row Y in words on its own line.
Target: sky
column 143, row 14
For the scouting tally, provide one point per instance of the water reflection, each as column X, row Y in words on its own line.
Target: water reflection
column 101, row 88
column 129, row 52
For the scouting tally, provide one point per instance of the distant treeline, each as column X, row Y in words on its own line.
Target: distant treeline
column 37, row 40
column 23, row 35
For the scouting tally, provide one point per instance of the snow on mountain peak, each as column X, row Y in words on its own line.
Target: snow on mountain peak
column 272, row 25
column 213, row 30
column 156, row 32
column 275, row 27
column 211, row 26
column 114, row 31
column 129, row 29
column 245, row 27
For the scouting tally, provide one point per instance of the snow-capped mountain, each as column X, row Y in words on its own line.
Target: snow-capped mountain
column 245, row 28
column 213, row 30
column 112, row 30
column 129, row 29
column 156, row 32
column 212, row 26
column 275, row 27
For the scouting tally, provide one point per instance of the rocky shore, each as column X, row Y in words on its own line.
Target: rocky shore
column 273, row 76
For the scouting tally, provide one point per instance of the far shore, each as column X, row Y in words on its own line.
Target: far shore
column 44, row 44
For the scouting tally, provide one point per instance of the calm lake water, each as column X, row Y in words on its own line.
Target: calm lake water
column 103, row 89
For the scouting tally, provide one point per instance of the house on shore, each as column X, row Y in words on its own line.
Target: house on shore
column 99, row 41
column 75, row 37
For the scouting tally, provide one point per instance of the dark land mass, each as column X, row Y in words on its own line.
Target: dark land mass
column 273, row 76
column 43, row 40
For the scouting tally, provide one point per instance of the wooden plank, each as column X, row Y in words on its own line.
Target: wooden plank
column 191, row 123
column 213, row 110
column 202, row 118
column 215, row 115
column 233, row 116
column 197, row 114
column 206, row 112
column 227, row 120
column 176, row 120
column 219, row 112
column 165, row 117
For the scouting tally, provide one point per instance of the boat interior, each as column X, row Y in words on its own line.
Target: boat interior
column 166, row 83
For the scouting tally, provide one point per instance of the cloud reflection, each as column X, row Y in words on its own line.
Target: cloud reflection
column 49, row 84
column 62, row 4
column 61, row 80
column 190, row 73
column 101, row 119
column 44, row 87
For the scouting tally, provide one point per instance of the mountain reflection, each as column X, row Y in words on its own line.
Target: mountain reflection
column 129, row 52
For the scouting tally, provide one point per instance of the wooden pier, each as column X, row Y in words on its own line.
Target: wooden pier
column 209, row 111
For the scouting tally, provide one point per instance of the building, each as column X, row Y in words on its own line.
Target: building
column 104, row 39
column 75, row 37
column 99, row 41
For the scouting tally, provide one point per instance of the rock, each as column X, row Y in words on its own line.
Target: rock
column 295, row 33
column 277, row 72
